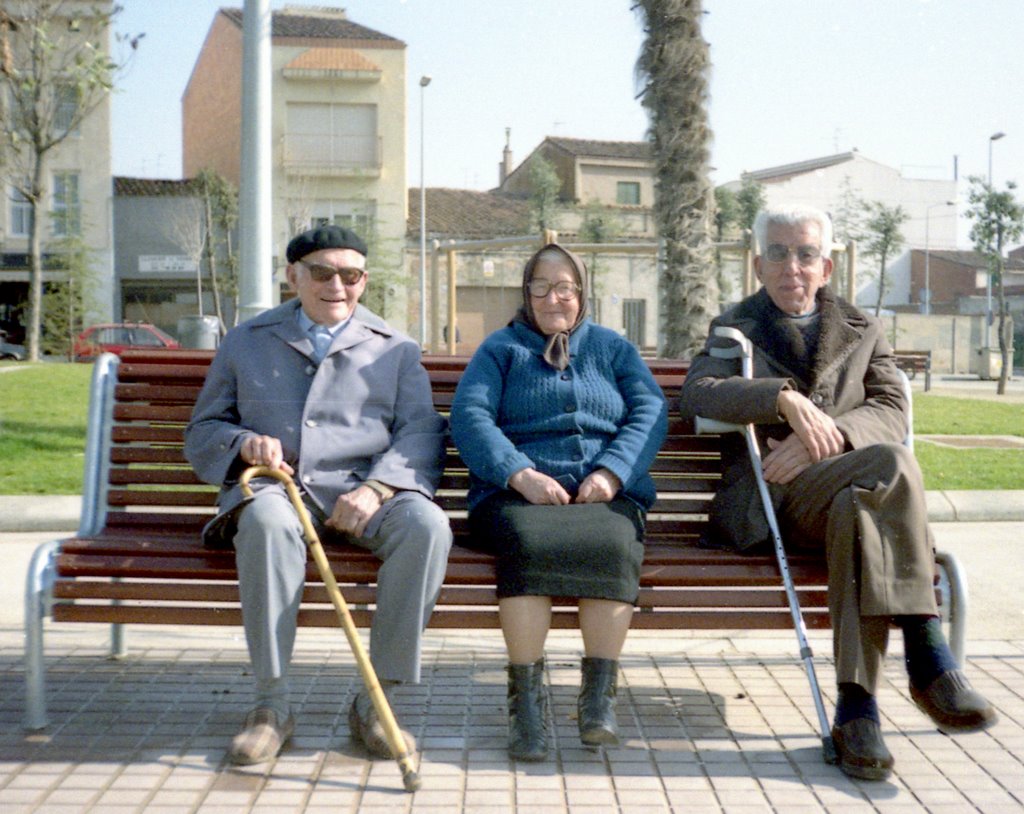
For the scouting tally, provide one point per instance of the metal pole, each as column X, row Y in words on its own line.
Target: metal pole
column 424, row 81
column 452, row 294
column 988, row 277
column 254, row 212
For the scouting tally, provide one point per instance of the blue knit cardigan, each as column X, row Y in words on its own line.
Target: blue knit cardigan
column 512, row 411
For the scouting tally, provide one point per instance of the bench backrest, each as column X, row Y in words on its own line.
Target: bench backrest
column 143, row 480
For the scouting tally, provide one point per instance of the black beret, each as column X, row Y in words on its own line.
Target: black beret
column 324, row 237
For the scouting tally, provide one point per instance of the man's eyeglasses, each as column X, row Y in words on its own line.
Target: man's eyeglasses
column 322, row 273
column 779, row 252
column 541, row 288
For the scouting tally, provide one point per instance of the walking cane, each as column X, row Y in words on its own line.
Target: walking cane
column 380, row 702
column 745, row 350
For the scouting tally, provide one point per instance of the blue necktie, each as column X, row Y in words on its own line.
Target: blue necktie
column 321, row 342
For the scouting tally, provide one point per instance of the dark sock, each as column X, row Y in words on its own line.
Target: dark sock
column 855, row 702
column 926, row 653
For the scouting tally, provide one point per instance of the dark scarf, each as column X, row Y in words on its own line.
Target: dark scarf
column 778, row 334
column 556, row 349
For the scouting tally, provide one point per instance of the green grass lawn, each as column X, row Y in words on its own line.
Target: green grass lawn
column 42, row 428
column 946, row 415
column 43, row 417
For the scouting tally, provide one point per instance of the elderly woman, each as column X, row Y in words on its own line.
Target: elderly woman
column 558, row 420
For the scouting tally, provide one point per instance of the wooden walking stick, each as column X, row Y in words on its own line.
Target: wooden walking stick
column 380, row 702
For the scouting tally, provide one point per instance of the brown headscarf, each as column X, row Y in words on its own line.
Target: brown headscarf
column 556, row 351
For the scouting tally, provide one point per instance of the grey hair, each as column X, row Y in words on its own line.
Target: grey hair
column 793, row 215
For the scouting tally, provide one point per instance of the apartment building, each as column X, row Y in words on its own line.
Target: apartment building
column 338, row 128
column 76, row 179
column 609, row 180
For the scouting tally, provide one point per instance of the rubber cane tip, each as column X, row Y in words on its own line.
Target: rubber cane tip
column 411, row 781
column 828, row 751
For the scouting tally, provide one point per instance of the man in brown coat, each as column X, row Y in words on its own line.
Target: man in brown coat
column 831, row 414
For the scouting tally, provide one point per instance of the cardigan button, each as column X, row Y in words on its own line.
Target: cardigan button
column 570, row 408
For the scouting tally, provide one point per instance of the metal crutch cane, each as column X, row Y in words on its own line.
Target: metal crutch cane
column 744, row 349
column 380, row 702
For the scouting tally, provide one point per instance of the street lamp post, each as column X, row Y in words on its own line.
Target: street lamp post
column 927, row 274
column 988, row 277
column 424, row 81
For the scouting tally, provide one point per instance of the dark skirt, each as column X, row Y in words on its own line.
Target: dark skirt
column 591, row 550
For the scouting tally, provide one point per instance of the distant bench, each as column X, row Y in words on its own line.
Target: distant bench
column 913, row 362
column 138, row 558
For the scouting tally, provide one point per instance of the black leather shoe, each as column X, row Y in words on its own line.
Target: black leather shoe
column 595, row 707
column 954, row 704
column 527, row 712
column 861, row 750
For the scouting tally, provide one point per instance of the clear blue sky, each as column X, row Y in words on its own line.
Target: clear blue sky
column 910, row 83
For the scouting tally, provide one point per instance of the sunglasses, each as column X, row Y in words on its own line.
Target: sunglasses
column 322, row 273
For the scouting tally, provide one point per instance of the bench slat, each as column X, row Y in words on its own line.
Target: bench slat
column 148, row 565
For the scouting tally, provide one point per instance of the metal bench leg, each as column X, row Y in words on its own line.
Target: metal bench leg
column 118, row 650
column 38, row 597
column 953, row 585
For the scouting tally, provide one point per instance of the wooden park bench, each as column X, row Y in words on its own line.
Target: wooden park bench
column 137, row 558
column 913, row 362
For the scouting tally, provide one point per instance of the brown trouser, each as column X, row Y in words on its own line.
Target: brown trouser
column 866, row 509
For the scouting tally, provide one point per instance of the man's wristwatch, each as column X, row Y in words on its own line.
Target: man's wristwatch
column 382, row 489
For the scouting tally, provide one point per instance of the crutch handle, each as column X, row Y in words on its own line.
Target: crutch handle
column 410, row 780
column 711, row 426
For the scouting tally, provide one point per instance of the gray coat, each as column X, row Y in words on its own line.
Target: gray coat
column 852, row 377
column 364, row 413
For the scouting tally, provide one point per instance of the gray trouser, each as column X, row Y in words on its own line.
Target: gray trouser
column 409, row 534
column 866, row 509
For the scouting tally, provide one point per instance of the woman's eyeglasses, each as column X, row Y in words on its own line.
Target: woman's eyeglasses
column 563, row 290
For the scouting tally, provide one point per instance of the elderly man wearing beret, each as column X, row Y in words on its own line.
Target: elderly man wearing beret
column 324, row 390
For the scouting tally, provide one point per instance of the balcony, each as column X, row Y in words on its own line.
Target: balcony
column 339, row 156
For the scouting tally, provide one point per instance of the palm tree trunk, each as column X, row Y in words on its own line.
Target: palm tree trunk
column 674, row 63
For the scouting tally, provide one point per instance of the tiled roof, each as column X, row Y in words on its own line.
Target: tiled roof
column 640, row 150
column 972, row 259
column 151, row 187
column 331, row 59
column 314, row 22
column 468, row 214
column 784, row 171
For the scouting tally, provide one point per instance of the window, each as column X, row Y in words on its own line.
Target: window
column 66, row 109
column 21, row 213
column 67, row 207
column 627, row 193
column 355, row 215
column 634, row 320
column 333, row 135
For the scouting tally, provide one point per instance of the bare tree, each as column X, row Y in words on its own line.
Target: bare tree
column 185, row 226
column 56, row 69
column 545, row 186
column 673, row 66
column 883, row 237
column 998, row 220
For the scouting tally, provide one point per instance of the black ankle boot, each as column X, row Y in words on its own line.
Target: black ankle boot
column 527, row 712
column 596, row 703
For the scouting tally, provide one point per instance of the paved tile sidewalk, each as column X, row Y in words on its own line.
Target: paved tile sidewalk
column 710, row 725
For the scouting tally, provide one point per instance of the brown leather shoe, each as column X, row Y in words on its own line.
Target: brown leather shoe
column 261, row 737
column 366, row 728
column 861, row 750
column 954, row 704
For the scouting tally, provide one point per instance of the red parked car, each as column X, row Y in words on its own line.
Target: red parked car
column 117, row 336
